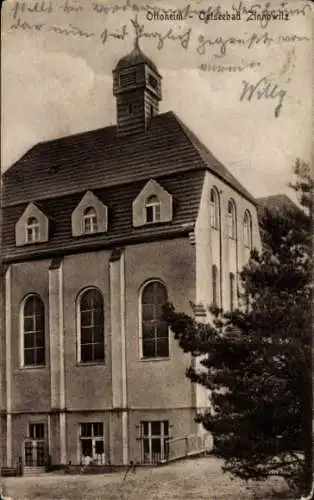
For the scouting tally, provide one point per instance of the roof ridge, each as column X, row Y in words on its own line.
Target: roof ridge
column 202, row 148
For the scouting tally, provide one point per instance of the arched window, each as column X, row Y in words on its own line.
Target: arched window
column 232, row 291
column 247, row 230
column 91, row 327
column 33, row 331
column 155, row 332
column 152, row 207
column 215, row 285
column 90, row 220
column 214, row 209
column 231, row 220
column 32, row 230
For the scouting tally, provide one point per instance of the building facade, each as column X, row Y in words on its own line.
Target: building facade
column 99, row 230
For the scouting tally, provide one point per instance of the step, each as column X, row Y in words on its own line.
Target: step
column 33, row 471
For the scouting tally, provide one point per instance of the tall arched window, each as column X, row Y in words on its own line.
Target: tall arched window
column 232, row 291
column 155, row 332
column 33, row 331
column 215, row 285
column 90, row 220
column 32, row 230
column 247, row 230
column 214, row 209
column 152, row 207
column 231, row 220
column 91, row 327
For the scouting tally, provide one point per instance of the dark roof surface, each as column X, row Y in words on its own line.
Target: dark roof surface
column 277, row 202
column 99, row 158
column 136, row 56
column 186, row 191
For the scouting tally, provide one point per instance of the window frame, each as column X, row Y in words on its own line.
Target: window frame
column 215, row 287
column 91, row 219
column 162, row 436
column 78, row 328
column 248, row 230
column 22, row 333
column 215, row 222
column 140, row 329
column 232, row 220
column 35, row 230
column 94, row 438
column 156, row 208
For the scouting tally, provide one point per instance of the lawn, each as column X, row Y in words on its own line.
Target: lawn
column 194, row 479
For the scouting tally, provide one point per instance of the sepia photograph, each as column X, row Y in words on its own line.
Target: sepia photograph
column 156, row 261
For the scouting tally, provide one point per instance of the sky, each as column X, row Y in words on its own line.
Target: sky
column 57, row 77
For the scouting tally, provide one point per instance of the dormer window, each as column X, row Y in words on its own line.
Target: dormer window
column 32, row 230
column 90, row 220
column 152, row 204
column 90, row 216
column 32, row 226
column 152, row 207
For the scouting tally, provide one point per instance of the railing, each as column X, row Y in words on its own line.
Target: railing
column 188, row 446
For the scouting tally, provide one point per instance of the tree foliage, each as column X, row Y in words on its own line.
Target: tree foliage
column 257, row 360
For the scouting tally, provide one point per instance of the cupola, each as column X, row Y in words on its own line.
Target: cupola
column 137, row 88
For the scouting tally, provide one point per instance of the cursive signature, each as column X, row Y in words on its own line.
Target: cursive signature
column 263, row 89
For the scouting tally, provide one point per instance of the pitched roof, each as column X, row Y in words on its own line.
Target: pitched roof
column 186, row 191
column 277, row 202
column 99, row 158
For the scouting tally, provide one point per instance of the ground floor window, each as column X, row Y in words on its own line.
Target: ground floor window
column 154, row 437
column 35, row 446
column 92, row 442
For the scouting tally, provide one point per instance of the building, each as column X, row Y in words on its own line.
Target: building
column 99, row 230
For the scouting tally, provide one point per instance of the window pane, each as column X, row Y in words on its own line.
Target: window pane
column 99, row 447
column 86, row 318
column 156, row 445
column 148, row 296
column 29, row 324
column 149, row 214
column 86, row 335
column 98, row 317
column 87, row 447
column 156, row 428
column 148, row 311
column 157, row 212
column 166, row 428
column 98, row 334
column 86, row 430
column 148, row 330
column 29, row 340
column 40, row 339
column 161, row 293
column 40, row 356
column 29, row 357
column 98, row 429
column 86, row 353
column 162, row 329
column 146, row 446
column 99, row 354
column 148, row 348
column 162, row 347
column 145, row 428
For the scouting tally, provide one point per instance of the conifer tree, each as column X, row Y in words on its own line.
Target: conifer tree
column 257, row 360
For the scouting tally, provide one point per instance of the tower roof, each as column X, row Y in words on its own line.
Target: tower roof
column 136, row 56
